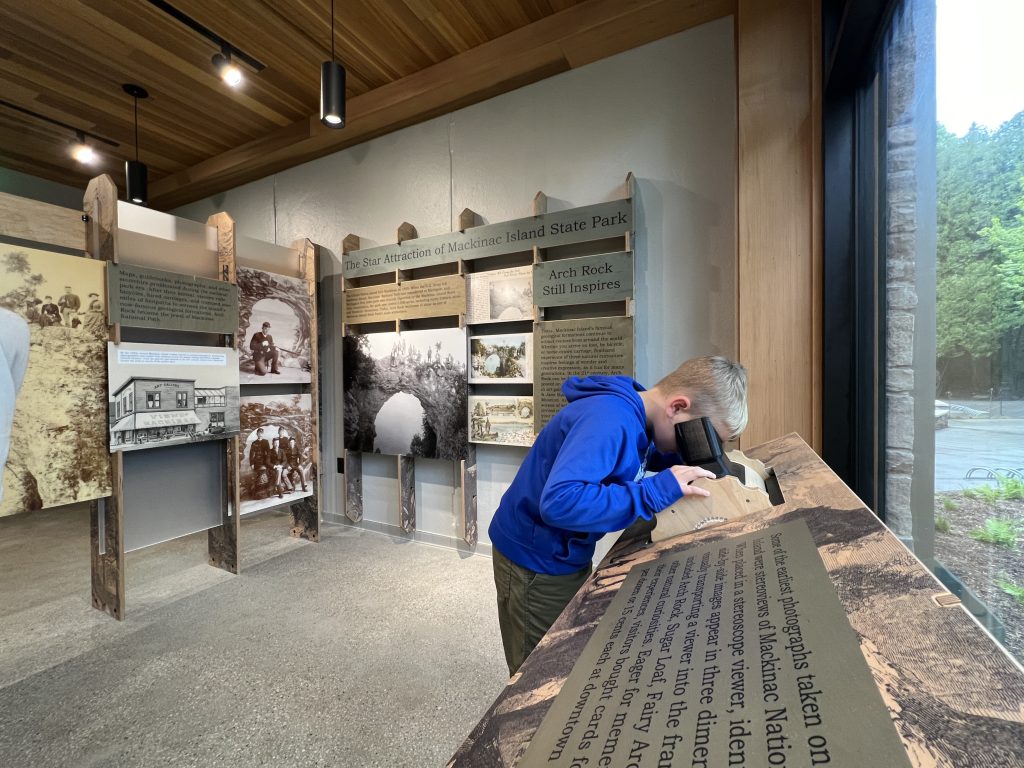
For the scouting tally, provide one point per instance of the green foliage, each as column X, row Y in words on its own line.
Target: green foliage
column 970, row 493
column 1010, row 488
column 990, row 494
column 949, row 504
column 997, row 531
column 1014, row 590
column 980, row 240
column 942, row 524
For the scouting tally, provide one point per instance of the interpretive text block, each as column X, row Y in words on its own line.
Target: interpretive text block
column 584, row 280
column 735, row 652
column 151, row 298
column 564, row 348
column 429, row 297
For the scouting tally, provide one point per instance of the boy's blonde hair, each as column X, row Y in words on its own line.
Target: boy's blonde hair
column 717, row 388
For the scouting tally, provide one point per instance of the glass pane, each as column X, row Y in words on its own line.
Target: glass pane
column 955, row 256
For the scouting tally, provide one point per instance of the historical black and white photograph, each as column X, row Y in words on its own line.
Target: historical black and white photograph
column 276, row 462
column 501, row 420
column 274, row 329
column 501, row 359
column 53, row 341
column 499, row 295
column 405, row 394
column 168, row 394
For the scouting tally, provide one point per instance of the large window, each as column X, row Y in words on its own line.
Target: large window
column 152, row 400
column 924, row 286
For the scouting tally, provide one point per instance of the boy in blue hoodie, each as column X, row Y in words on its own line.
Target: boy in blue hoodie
column 585, row 477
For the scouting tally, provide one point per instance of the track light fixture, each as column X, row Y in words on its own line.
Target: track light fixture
column 135, row 172
column 226, row 68
column 332, row 88
column 81, row 151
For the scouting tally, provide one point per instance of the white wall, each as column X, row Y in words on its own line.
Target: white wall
column 666, row 112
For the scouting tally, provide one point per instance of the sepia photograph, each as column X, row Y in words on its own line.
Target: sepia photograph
column 501, row 420
column 53, row 420
column 502, row 359
column 500, row 295
column 274, row 329
column 405, row 393
column 276, row 462
column 167, row 394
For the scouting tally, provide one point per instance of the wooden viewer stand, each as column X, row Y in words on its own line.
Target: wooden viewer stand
column 953, row 695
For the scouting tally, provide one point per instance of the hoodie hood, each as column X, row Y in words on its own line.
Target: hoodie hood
column 575, row 388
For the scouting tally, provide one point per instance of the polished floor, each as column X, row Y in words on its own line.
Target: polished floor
column 361, row 650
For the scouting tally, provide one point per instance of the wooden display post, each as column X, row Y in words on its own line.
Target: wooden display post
column 223, row 540
column 106, row 526
column 306, row 511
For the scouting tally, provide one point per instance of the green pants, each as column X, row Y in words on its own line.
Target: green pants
column 528, row 604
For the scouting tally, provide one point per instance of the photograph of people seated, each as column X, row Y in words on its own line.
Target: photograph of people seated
column 275, row 330
column 276, row 464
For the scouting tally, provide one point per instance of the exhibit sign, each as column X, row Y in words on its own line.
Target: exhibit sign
column 501, row 359
column 151, row 298
column 576, row 225
column 54, row 335
column 405, row 393
column 168, row 394
column 275, row 465
column 274, row 333
column 501, row 420
column 583, row 280
column 731, row 652
column 429, row 297
column 499, row 295
column 564, row 348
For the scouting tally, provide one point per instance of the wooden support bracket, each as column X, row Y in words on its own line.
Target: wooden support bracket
column 407, row 492
column 350, row 243
column 629, row 186
column 468, row 476
column 406, row 231
column 540, row 204
column 354, row 486
column 468, row 219
column 106, row 524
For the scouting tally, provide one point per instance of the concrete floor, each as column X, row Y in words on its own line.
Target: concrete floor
column 968, row 443
column 361, row 650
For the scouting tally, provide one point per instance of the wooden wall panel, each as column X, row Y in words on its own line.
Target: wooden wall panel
column 779, row 231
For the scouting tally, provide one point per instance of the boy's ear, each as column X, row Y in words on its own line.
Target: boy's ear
column 678, row 404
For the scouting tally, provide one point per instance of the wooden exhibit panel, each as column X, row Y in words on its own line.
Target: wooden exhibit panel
column 27, row 219
column 106, row 524
column 954, row 697
column 409, row 300
column 223, row 541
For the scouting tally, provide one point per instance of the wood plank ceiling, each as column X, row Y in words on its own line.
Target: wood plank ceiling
column 407, row 60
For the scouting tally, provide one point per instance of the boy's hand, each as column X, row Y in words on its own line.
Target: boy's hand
column 686, row 475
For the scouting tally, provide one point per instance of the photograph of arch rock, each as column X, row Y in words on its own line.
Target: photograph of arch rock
column 406, row 393
column 274, row 329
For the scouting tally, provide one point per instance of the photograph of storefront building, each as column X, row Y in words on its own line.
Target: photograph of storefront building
column 156, row 410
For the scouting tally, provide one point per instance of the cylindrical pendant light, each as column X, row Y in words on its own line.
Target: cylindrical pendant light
column 135, row 172
column 332, row 88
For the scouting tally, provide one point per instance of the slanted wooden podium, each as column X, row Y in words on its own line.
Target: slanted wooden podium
column 956, row 698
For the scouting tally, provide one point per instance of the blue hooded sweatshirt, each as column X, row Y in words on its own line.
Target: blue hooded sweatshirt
column 583, row 478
